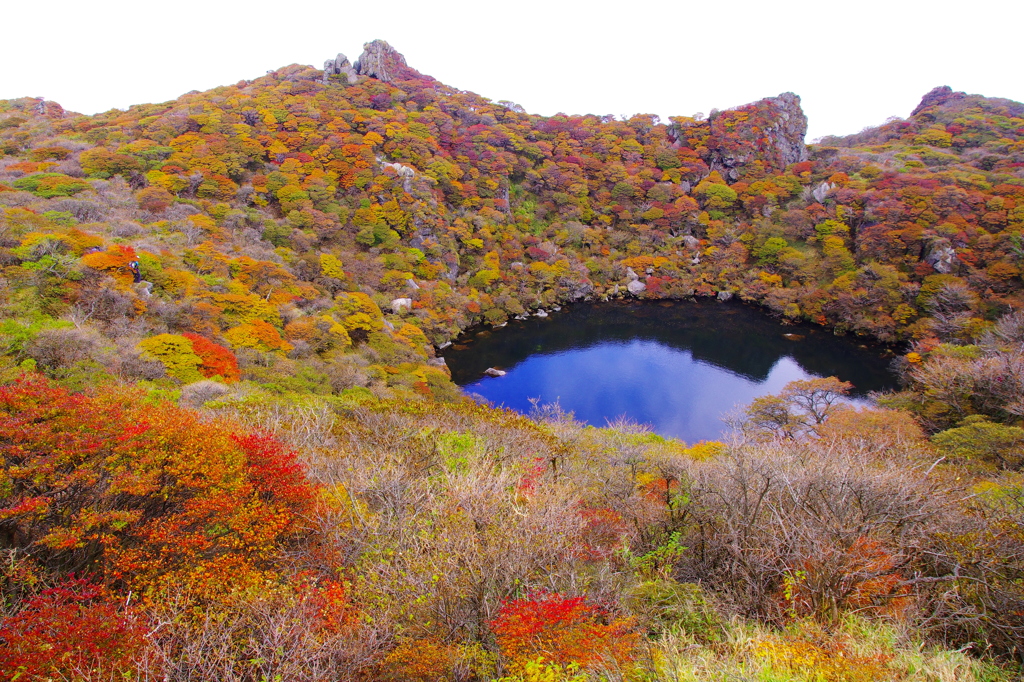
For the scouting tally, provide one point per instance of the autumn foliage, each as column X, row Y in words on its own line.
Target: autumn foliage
column 279, row 225
column 144, row 494
column 69, row 630
column 217, row 361
column 561, row 630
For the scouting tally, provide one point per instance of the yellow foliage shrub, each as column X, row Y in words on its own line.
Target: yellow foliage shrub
column 331, row 266
column 259, row 335
column 175, row 353
column 241, row 308
column 360, row 312
column 706, row 449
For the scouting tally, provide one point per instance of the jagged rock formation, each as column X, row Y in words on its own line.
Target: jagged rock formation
column 379, row 60
column 783, row 137
column 942, row 256
column 790, row 128
column 383, row 62
column 340, row 65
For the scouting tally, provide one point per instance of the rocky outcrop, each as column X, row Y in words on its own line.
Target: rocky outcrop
column 636, row 287
column 378, row 60
column 340, row 66
column 821, row 191
column 937, row 97
column 407, row 173
column 770, row 131
column 580, row 290
column 383, row 62
column 788, row 133
column 942, row 257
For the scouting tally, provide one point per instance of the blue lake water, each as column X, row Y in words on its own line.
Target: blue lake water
column 679, row 367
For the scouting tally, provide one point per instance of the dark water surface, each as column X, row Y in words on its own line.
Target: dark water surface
column 679, row 367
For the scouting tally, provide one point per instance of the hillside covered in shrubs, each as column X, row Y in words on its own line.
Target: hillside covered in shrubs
column 230, row 450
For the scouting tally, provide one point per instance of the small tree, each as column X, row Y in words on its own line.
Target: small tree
column 801, row 408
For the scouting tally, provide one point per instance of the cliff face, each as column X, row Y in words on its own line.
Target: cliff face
column 770, row 132
column 789, row 130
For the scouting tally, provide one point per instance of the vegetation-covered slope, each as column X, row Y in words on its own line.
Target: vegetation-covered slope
column 287, row 253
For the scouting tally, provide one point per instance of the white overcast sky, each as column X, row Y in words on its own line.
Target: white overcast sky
column 854, row 64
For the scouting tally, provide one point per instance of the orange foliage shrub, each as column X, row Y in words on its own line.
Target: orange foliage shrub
column 259, row 335
column 113, row 261
column 640, row 263
column 217, row 360
column 426, row 660
column 154, row 199
column 145, row 494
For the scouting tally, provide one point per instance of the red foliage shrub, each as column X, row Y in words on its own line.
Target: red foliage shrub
column 66, row 631
column 276, row 471
column 562, row 630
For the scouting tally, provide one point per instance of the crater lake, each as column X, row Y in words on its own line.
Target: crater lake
column 679, row 367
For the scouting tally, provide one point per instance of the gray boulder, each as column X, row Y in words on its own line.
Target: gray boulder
column 821, row 191
column 340, row 65
column 942, row 257
column 400, row 304
column 636, row 287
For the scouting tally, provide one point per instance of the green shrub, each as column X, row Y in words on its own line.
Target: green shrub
column 51, row 185
column 667, row 605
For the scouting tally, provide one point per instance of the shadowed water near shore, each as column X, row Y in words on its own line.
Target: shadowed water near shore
column 676, row 366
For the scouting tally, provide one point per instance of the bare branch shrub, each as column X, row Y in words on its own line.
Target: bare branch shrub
column 767, row 518
column 131, row 365
column 269, row 637
column 84, row 210
column 197, row 393
column 62, row 348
